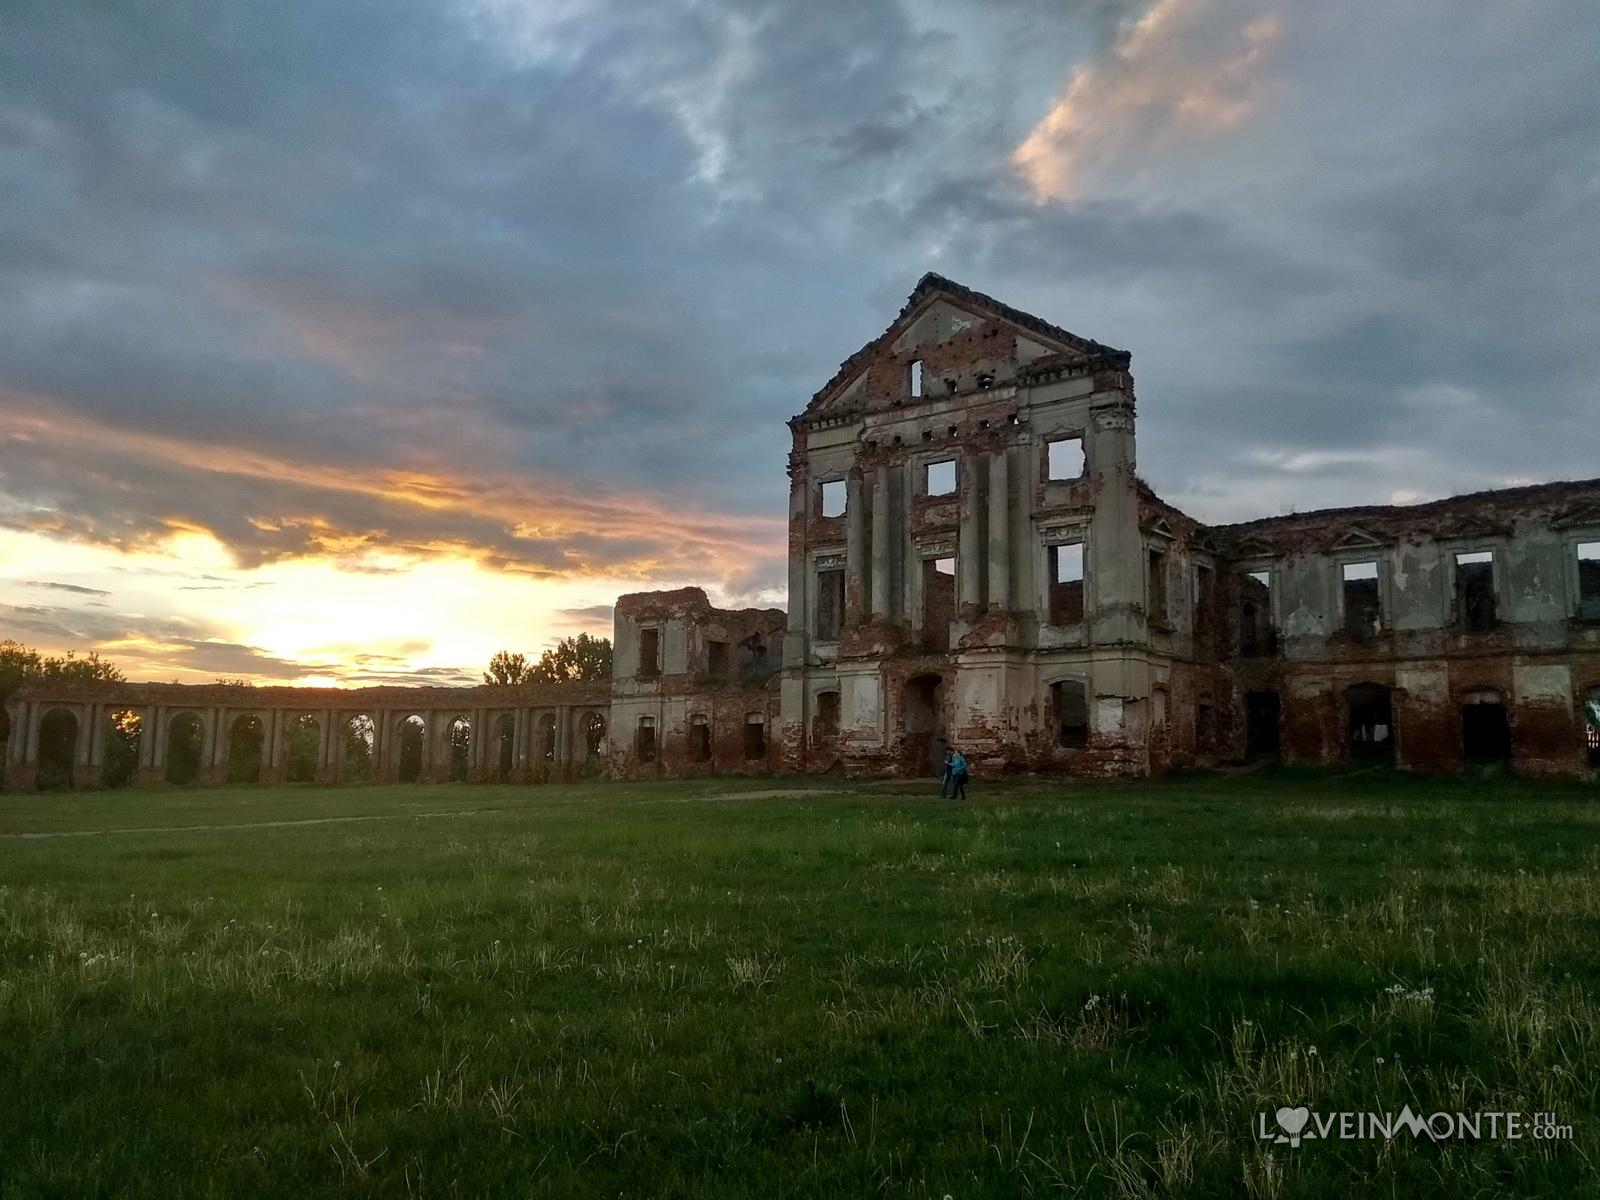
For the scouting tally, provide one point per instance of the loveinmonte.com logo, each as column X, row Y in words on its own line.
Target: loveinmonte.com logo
column 1295, row 1125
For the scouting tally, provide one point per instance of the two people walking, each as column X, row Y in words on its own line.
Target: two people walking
column 954, row 784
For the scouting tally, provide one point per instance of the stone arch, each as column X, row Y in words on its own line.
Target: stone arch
column 1369, row 722
column 302, row 751
column 411, row 735
column 459, row 732
column 247, row 739
column 505, row 744
column 124, row 747
column 1485, row 728
column 58, row 749
column 358, row 749
column 186, row 743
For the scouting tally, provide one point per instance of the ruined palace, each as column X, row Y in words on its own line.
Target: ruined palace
column 975, row 561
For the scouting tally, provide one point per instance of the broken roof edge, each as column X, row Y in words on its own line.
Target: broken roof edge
column 932, row 285
column 1550, row 490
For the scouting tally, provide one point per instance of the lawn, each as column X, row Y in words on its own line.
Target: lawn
column 796, row 988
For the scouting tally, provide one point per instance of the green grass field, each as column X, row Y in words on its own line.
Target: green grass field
column 795, row 988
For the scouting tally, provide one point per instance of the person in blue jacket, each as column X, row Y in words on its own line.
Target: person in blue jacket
column 958, row 774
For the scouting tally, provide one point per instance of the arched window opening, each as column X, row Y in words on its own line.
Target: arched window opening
column 413, row 740
column 460, row 749
column 594, row 739
column 58, row 749
column 360, row 749
column 124, row 740
column 506, row 739
column 185, row 743
column 302, row 751
column 246, row 740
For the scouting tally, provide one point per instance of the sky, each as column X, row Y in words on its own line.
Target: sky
column 350, row 341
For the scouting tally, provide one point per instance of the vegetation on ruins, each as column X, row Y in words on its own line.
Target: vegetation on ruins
column 22, row 665
column 812, row 989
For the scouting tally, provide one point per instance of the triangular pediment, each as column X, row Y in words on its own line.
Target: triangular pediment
column 1356, row 538
column 938, row 311
column 1253, row 547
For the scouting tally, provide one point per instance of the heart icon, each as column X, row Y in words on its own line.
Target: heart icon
column 1293, row 1120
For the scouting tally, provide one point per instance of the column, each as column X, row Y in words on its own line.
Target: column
column 147, row 738
column 970, row 555
column 561, row 768
column 158, row 740
column 880, row 544
column 325, row 744
column 999, row 534
column 519, row 730
column 854, row 548
column 208, row 741
column 83, row 745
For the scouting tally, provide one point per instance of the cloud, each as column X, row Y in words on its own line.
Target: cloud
column 1185, row 68
column 368, row 289
column 76, row 589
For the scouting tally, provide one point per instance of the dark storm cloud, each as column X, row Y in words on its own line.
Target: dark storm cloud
column 534, row 253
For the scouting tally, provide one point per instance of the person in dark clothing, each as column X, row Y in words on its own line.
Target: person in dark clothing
column 949, row 779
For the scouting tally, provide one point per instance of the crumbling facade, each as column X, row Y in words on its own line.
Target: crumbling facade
column 694, row 688
column 974, row 562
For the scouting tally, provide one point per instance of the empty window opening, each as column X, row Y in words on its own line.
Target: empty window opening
column 1205, row 728
column 1066, row 584
column 1261, row 710
column 647, row 739
column 755, row 737
column 1369, row 728
column 754, row 658
column 1485, row 729
column 927, row 435
column 1156, row 584
column 699, row 739
column 1475, row 605
column 914, row 377
column 1591, row 726
column 953, row 430
column 1011, row 418
column 717, row 659
column 983, row 424
column 1589, row 581
column 826, row 723
column 649, row 652
column 830, row 604
column 833, row 498
column 939, row 478
column 1069, row 706
column 938, row 602
column 1205, row 600
column 1066, row 458
column 1257, row 635
column 1362, row 609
